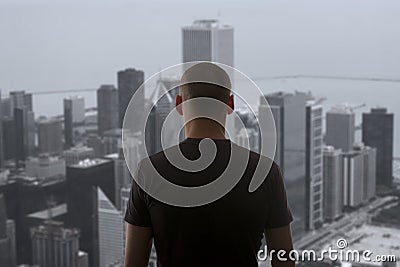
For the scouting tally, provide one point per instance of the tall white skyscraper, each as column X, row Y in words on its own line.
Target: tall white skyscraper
column 207, row 40
column 314, row 168
column 111, row 235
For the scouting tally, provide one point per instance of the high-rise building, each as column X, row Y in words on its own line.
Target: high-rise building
column 22, row 112
column 359, row 175
column 50, row 134
column 1, row 133
column 55, row 246
column 289, row 112
column 129, row 80
column 9, row 138
column 314, row 166
column 20, row 99
column 6, row 107
column 40, row 192
column 74, row 114
column 333, row 183
column 164, row 103
column 340, row 128
column 122, row 176
column 45, row 166
column 111, row 237
column 83, row 180
column 24, row 133
column 77, row 153
column 207, row 40
column 107, row 108
column 377, row 131
column 7, row 242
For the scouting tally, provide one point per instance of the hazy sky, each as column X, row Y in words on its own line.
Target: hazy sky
column 52, row 45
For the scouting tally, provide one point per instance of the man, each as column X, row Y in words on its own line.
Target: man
column 225, row 232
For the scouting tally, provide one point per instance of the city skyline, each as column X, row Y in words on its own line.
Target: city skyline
column 72, row 165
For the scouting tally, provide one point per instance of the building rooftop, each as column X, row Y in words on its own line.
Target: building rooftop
column 88, row 163
column 45, row 214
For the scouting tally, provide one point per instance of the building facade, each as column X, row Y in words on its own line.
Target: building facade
column 378, row 131
column 333, row 183
column 107, row 108
column 314, row 166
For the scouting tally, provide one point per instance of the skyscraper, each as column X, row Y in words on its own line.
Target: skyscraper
column 74, row 114
column 1, row 134
column 122, row 176
column 340, row 128
column 22, row 112
column 111, row 237
column 129, row 80
column 9, row 138
column 7, row 251
column 83, row 180
column 107, row 108
column 50, row 136
column 314, row 166
column 359, row 175
column 333, row 183
column 55, row 246
column 377, row 131
column 207, row 40
column 289, row 112
column 164, row 103
column 19, row 99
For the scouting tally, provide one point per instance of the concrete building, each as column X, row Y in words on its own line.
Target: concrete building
column 207, row 40
column 1, row 134
column 340, row 128
column 111, row 237
column 7, row 237
column 122, row 176
column 107, row 108
column 50, row 135
column 129, row 81
column 359, row 175
column 378, row 131
column 83, row 181
column 333, row 183
column 314, row 166
column 24, row 122
column 74, row 114
column 45, row 166
column 76, row 154
column 19, row 99
column 289, row 112
column 53, row 245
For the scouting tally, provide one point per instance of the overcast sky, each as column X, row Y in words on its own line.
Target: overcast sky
column 53, row 45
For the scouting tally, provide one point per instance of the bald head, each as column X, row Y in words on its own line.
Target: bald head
column 205, row 79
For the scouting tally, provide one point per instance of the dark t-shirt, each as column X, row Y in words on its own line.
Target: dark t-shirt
column 226, row 232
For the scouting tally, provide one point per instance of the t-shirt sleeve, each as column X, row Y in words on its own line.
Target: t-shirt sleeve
column 137, row 212
column 279, row 213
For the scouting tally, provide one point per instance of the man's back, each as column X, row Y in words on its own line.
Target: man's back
column 226, row 232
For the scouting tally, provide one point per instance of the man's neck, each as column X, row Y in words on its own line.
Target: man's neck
column 204, row 129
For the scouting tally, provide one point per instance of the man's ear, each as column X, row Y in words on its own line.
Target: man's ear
column 231, row 104
column 178, row 106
